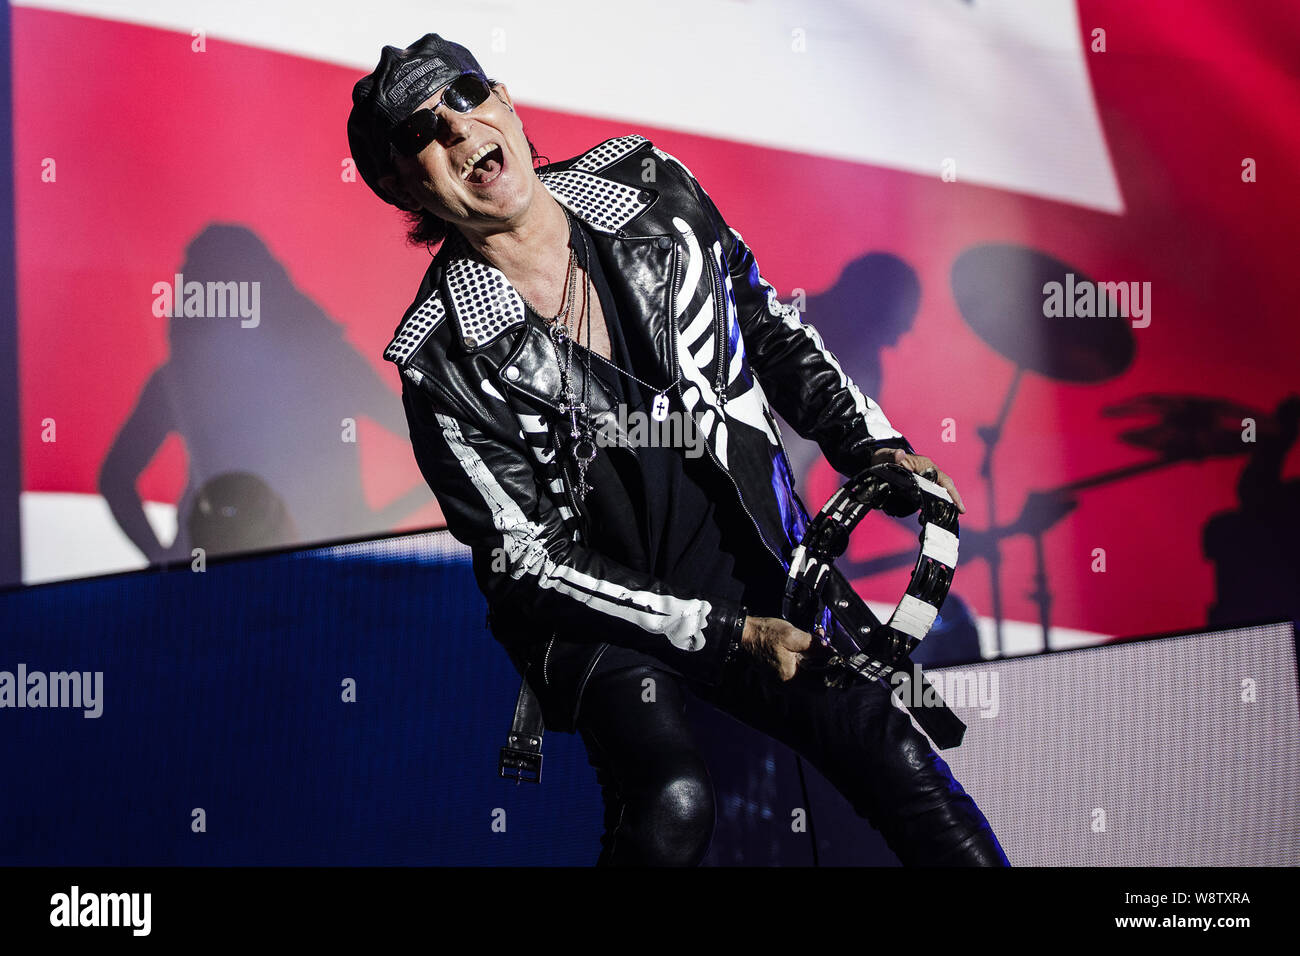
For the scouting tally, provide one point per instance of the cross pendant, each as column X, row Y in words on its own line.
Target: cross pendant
column 572, row 409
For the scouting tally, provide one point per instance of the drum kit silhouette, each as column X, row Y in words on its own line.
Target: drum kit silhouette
column 999, row 291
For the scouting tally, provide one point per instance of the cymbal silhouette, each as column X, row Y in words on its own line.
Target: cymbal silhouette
column 1189, row 426
column 999, row 288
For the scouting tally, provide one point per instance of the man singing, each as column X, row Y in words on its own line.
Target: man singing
column 574, row 296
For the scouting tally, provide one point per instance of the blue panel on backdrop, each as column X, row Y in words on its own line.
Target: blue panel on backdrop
column 223, row 691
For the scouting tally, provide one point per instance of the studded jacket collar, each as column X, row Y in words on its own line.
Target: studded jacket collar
column 482, row 389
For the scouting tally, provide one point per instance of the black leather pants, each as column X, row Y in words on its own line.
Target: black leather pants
column 659, row 807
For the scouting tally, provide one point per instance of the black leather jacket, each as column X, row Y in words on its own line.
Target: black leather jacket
column 481, row 386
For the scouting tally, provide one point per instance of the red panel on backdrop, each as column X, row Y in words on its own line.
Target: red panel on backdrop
column 155, row 143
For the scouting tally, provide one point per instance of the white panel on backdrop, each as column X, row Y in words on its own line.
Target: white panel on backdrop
column 1182, row 751
column 67, row 535
column 998, row 87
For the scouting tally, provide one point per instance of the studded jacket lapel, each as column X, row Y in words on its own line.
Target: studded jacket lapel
column 483, row 302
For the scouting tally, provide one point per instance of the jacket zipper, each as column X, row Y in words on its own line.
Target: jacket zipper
column 546, row 660
column 722, row 338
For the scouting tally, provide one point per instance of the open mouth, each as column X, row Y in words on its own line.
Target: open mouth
column 483, row 168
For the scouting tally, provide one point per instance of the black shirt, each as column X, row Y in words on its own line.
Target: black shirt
column 666, row 511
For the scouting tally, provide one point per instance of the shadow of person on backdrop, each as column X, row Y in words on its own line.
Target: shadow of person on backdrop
column 1257, row 573
column 259, row 394
column 870, row 307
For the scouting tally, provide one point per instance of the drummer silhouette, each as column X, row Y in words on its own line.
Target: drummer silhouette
column 1256, row 568
column 876, row 297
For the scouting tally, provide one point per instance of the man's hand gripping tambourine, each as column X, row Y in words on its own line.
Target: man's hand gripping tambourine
column 829, row 629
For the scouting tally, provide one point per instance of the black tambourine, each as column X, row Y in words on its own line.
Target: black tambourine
column 854, row 643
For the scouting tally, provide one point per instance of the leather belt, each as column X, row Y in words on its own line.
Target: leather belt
column 521, row 757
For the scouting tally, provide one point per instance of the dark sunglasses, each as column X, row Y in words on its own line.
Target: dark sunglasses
column 421, row 128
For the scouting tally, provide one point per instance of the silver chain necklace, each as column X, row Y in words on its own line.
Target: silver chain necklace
column 563, row 314
column 581, row 431
column 659, row 405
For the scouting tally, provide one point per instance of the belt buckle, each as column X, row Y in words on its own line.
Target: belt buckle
column 521, row 759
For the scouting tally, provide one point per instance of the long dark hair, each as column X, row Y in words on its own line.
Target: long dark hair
column 426, row 229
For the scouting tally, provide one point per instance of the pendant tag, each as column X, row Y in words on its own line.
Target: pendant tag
column 660, row 410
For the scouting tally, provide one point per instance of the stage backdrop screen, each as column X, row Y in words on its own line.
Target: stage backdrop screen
column 1054, row 240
